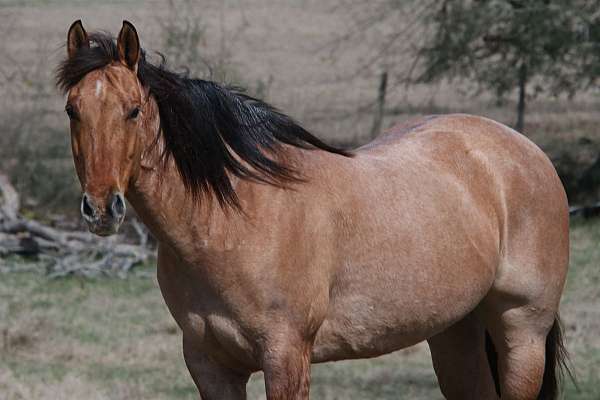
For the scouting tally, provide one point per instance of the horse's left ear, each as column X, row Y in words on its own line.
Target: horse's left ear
column 128, row 45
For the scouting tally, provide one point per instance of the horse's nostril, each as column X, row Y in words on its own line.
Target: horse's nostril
column 86, row 209
column 117, row 205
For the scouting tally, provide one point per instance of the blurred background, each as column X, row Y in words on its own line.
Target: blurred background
column 82, row 317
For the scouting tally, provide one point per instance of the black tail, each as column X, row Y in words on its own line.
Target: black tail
column 492, row 356
column 557, row 362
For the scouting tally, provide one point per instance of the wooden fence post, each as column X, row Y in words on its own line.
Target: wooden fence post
column 380, row 110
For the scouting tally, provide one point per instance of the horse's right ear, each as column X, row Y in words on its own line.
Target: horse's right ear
column 128, row 46
column 76, row 38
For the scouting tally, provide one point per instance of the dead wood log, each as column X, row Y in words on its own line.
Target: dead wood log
column 65, row 252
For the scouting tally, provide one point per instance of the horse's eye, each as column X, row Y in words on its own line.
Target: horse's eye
column 71, row 111
column 133, row 114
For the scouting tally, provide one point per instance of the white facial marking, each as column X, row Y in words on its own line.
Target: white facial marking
column 98, row 88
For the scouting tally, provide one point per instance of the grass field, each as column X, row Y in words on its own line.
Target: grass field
column 114, row 339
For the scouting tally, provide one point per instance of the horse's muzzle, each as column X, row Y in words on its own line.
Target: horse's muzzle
column 103, row 217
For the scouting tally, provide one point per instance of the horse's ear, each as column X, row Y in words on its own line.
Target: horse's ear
column 76, row 38
column 128, row 45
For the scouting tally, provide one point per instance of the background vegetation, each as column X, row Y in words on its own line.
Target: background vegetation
column 322, row 61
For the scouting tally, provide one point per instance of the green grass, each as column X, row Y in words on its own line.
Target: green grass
column 114, row 339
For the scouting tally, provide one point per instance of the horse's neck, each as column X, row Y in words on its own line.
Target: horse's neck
column 175, row 217
column 162, row 203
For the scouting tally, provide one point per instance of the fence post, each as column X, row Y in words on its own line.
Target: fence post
column 380, row 110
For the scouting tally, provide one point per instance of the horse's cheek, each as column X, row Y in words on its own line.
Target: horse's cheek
column 78, row 161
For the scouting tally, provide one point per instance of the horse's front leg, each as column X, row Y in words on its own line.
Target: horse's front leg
column 286, row 365
column 213, row 380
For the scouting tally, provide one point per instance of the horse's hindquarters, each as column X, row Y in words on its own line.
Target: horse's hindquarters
column 463, row 211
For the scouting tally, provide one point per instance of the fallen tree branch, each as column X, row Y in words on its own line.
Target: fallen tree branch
column 64, row 252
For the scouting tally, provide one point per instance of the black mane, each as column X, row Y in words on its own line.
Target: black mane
column 205, row 125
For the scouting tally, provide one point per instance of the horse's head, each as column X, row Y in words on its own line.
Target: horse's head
column 105, row 108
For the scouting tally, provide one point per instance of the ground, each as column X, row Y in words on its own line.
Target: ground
column 114, row 338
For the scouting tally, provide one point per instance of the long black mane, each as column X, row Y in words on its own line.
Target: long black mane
column 211, row 131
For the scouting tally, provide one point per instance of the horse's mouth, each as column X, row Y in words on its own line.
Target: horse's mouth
column 105, row 229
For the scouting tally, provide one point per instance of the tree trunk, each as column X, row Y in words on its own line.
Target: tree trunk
column 522, row 93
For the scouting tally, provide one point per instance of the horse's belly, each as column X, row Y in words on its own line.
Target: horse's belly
column 362, row 341
column 373, row 314
column 362, row 336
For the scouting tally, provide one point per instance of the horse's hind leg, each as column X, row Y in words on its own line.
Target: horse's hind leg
column 520, row 311
column 460, row 361
column 519, row 336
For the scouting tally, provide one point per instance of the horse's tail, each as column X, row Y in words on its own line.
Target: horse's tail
column 557, row 362
column 492, row 357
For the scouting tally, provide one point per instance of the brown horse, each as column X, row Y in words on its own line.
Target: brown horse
column 277, row 250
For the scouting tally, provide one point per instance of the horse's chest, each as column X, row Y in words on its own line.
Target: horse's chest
column 205, row 323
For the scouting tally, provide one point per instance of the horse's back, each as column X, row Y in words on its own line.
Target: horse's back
column 480, row 153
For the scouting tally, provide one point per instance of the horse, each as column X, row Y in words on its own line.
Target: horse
column 276, row 250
